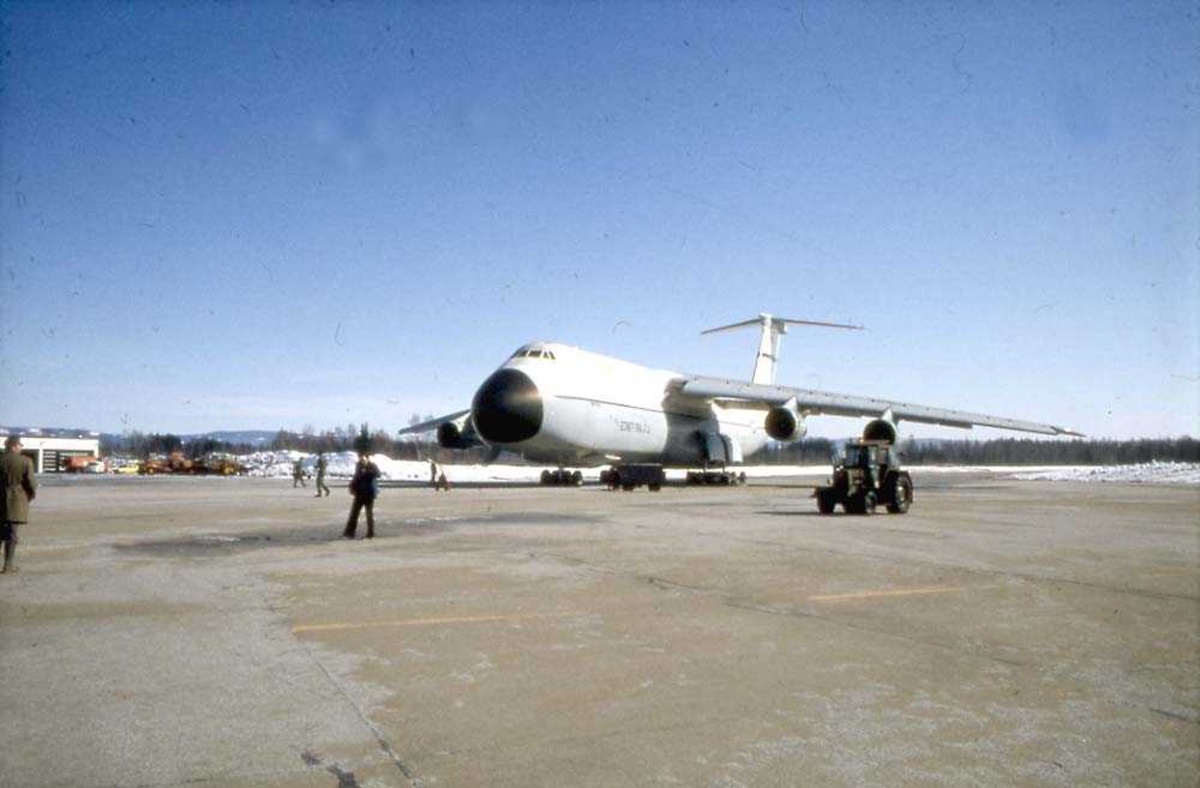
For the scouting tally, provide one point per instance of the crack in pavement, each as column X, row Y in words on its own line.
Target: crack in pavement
column 375, row 732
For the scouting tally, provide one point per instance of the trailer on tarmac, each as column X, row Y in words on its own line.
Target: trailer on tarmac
column 627, row 476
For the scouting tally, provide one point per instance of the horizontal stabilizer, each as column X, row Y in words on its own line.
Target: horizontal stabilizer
column 758, row 321
column 773, row 329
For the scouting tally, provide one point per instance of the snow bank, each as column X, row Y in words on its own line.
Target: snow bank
column 1142, row 473
column 278, row 464
column 271, row 463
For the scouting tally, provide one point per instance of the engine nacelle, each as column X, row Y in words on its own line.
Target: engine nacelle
column 458, row 434
column 880, row 430
column 785, row 423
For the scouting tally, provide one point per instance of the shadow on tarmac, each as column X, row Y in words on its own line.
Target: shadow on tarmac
column 214, row 544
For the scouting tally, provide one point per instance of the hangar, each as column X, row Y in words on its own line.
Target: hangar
column 48, row 448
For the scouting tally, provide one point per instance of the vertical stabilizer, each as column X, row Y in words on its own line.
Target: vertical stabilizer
column 768, row 349
column 773, row 329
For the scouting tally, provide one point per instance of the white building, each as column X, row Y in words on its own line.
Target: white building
column 48, row 448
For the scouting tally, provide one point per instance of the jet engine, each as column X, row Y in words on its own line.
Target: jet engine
column 880, row 430
column 458, row 434
column 785, row 422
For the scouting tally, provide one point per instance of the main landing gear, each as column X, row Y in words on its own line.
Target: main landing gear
column 562, row 478
column 726, row 478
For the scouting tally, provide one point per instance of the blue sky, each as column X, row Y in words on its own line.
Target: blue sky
column 262, row 215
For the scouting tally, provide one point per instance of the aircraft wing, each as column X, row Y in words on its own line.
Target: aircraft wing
column 812, row 402
column 432, row 424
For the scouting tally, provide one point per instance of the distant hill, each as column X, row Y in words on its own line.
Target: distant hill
column 49, row 432
column 249, row 437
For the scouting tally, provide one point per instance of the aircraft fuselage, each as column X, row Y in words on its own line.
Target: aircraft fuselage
column 559, row 404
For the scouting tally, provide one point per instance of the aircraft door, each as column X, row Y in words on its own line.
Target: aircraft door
column 713, row 448
column 733, row 449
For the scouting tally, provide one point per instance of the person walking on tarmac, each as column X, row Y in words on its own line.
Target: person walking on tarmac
column 321, row 468
column 20, row 487
column 437, row 477
column 298, row 475
column 364, row 487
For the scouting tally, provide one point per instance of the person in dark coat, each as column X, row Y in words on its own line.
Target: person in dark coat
column 298, row 475
column 20, row 487
column 364, row 487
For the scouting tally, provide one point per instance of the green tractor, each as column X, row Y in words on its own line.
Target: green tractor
column 867, row 475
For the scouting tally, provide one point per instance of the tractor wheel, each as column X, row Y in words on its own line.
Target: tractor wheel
column 868, row 503
column 577, row 479
column 826, row 500
column 902, row 495
column 547, row 478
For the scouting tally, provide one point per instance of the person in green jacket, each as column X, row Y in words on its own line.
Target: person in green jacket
column 20, row 487
column 322, row 467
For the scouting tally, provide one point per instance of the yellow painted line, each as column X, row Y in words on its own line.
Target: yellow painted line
column 895, row 592
column 424, row 622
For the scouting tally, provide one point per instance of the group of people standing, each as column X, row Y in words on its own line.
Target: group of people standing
column 20, row 487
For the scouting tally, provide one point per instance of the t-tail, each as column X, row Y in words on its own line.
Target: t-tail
column 773, row 329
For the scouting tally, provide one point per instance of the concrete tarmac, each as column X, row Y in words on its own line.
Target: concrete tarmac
column 217, row 632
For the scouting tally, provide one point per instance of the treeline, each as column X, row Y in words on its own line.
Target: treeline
column 352, row 437
column 146, row 444
column 1002, row 451
column 341, row 439
column 1025, row 451
column 1009, row 451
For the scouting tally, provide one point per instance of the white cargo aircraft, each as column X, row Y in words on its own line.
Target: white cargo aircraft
column 562, row 405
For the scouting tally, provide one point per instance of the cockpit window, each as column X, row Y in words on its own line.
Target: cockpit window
column 528, row 352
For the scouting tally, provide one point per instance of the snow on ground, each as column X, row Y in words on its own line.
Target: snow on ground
column 1141, row 473
column 278, row 464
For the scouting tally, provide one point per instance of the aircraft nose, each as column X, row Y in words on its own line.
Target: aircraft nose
column 507, row 408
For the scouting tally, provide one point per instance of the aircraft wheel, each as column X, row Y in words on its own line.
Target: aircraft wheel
column 655, row 487
column 577, row 478
column 547, row 478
